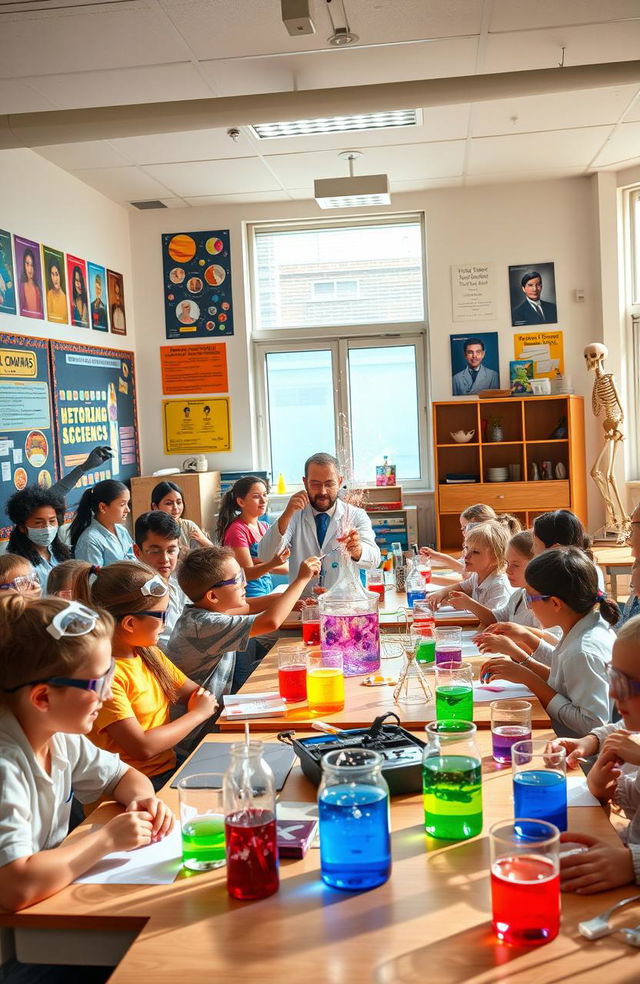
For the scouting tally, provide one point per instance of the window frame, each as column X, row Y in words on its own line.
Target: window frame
column 631, row 335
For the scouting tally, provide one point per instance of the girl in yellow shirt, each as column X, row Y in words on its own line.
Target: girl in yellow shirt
column 136, row 720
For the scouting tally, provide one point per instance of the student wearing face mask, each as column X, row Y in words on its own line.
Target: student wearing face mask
column 37, row 515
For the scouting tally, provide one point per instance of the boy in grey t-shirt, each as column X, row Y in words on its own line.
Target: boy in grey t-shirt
column 221, row 619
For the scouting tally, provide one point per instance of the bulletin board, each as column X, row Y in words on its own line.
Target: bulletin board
column 27, row 444
column 95, row 399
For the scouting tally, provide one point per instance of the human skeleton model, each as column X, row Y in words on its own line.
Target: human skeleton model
column 605, row 398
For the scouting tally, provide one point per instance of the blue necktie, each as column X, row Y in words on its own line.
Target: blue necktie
column 322, row 524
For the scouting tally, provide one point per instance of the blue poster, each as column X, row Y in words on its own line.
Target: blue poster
column 7, row 279
column 27, row 446
column 197, row 284
column 95, row 399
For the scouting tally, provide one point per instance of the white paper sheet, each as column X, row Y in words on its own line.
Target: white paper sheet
column 157, row 864
column 497, row 690
column 578, row 792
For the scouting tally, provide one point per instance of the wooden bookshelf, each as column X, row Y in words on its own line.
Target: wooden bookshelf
column 527, row 423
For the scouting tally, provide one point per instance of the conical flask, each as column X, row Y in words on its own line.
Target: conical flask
column 412, row 686
column 349, row 621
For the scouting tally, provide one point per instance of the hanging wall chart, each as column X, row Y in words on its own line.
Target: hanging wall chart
column 197, row 284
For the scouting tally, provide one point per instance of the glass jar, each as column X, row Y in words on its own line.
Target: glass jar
column 249, row 800
column 452, row 781
column 353, row 810
column 349, row 622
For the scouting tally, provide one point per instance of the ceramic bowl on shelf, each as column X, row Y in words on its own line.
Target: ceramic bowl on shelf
column 462, row 437
column 497, row 474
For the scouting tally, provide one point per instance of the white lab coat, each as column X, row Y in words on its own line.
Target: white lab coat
column 301, row 538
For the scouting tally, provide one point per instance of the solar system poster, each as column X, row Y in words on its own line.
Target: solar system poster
column 197, row 284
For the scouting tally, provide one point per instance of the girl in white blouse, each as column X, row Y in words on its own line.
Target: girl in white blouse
column 485, row 561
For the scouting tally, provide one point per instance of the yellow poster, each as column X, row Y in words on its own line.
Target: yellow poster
column 194, row 426
column 544, row 348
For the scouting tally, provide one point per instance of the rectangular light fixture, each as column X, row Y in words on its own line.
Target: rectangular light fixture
column 353, row 191
column 338, row 124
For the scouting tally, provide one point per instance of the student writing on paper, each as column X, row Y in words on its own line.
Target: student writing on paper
column 562, row 589
column 55, row 671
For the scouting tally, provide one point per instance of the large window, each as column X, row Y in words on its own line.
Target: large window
column 632, row 295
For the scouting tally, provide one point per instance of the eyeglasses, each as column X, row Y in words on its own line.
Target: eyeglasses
column 25, row 582
column 240, row 578
column 155, row 587
column 622, row 685
column 537, row 597
column 74, row 620
column 160, row 615
column 159, row 552
column 318, row 486
column 101, row 686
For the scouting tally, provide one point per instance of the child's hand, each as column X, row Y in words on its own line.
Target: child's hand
column 624, row 746
column 510, row 629
column 309, row 568
column 280, row 558
column 603, row 777
column 458, row 600
column 436, row 599
column 489, row 643
column 129, row 830
column 161, row 816
column 603, row 866
column 503, row 669
column 202, row 703
column 576, row 748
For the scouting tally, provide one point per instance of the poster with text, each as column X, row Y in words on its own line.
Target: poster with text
column 77, row 280
column 27, row 447
column 117, row 316
column 194, row 368
column 196, row 426
column 473, row 295
column 7, row 277
column 545, row 349
column 95, row 400
column 29, row 277
column 97, row 293
column 55, row 285
column 197, row 284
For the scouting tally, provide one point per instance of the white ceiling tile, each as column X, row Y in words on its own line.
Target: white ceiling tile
column 633, row 115
column 517, row 15
column 194, row 145
column 623, row 145
column 535, row 151
column 152, row 83
column 555, row 111
column 214, row 177
column 78, row 156
column 122, row 184
column 589, row 45
column 518, row 176
column 255, row 196
column 400, row 187
column 20, row 97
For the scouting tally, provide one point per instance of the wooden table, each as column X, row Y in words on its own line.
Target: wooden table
column 430, row 921
column 615, row 561
column 362, row 704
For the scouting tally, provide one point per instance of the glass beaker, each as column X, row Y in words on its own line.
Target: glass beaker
column 510, row 723
column 311, row 625
column 249, row 796
column 412, row 686
column 449, row 644
column 454, row 692
column 325, row 682
column 349, row 622
column 452, row 781
column 375, row 582
column 201, row 821
column 353, row 811
column 292, row 674
column 525, row 881
column 539, row 782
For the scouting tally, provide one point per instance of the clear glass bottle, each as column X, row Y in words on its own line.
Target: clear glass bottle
column 353, row 810
column 416, row 587
column 249, row 799
column 452, row 781
column 349, row 622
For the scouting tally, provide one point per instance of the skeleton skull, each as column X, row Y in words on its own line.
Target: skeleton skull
column 595, row 353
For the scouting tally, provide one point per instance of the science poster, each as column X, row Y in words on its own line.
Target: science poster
column 97, row 277
column 117, row 316
column 79, row 299
column 545, row 349
column 29, row 277
column 27, row 445
column 57, row 303
column 194, row 368
column 95, row 400
column 195, row 426
column 7, row 277
column 197, row 284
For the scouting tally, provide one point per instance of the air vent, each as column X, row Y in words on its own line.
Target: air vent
column 145, row 206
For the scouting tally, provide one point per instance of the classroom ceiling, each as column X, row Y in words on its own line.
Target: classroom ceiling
column 75, row 54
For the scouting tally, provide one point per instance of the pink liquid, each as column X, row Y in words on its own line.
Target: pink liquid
column 356, row 638
column 525, row 898
column 448, row 654
column 377, row 589
column 425, row 574
column 292, row 682
column 252, row 855
column 311, row 633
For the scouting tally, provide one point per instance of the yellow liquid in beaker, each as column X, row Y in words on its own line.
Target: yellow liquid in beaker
column 325, row 689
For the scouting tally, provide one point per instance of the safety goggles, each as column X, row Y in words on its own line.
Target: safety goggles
column 100, row 686
column 24, row 582
column 155, row 587
column 74, row 620
column 160, row 615
column 536, row 597
column 623, row 686
column 240, row 578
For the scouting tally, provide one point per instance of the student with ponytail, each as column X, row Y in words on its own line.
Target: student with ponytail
column 97, row 534
column 55, row 671
column 136, row 720
column 37, row 515
column 240, row 527
column 562, row 589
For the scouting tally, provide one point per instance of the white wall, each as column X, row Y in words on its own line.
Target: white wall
column 506, row 224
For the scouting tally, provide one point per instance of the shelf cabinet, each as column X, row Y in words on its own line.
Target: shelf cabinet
column 527, row 424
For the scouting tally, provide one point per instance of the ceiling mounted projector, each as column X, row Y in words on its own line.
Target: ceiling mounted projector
column 353, row 191
column 296, row 17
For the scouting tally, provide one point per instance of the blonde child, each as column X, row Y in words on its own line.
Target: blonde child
column 17, row 575
column 485, row 561
column 61, row 579
column 479, row 513
column 562, row 590
column 519, row 553
column 135, row 720
column 55, row 671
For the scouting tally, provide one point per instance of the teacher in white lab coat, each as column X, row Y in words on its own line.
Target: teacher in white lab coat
column 313, row 519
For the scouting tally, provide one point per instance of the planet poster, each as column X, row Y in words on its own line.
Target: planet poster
column 197, row 284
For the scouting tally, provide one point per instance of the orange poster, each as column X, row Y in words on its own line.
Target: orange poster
column 194, row 368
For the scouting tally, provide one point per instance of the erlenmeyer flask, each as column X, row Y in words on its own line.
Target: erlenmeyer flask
column 412, row 687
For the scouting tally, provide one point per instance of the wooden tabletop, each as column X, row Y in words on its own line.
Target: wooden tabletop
column 429, row 921
column 613, row 556
column 363, row 704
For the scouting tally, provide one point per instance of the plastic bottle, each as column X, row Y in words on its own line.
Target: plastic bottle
column 416, row 589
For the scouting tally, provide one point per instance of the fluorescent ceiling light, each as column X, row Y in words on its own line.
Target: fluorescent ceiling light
column 338, row 124
column 354, row 191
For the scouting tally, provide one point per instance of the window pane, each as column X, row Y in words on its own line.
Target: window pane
column 385, row 285
column 300, row 409
column 384, row 410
